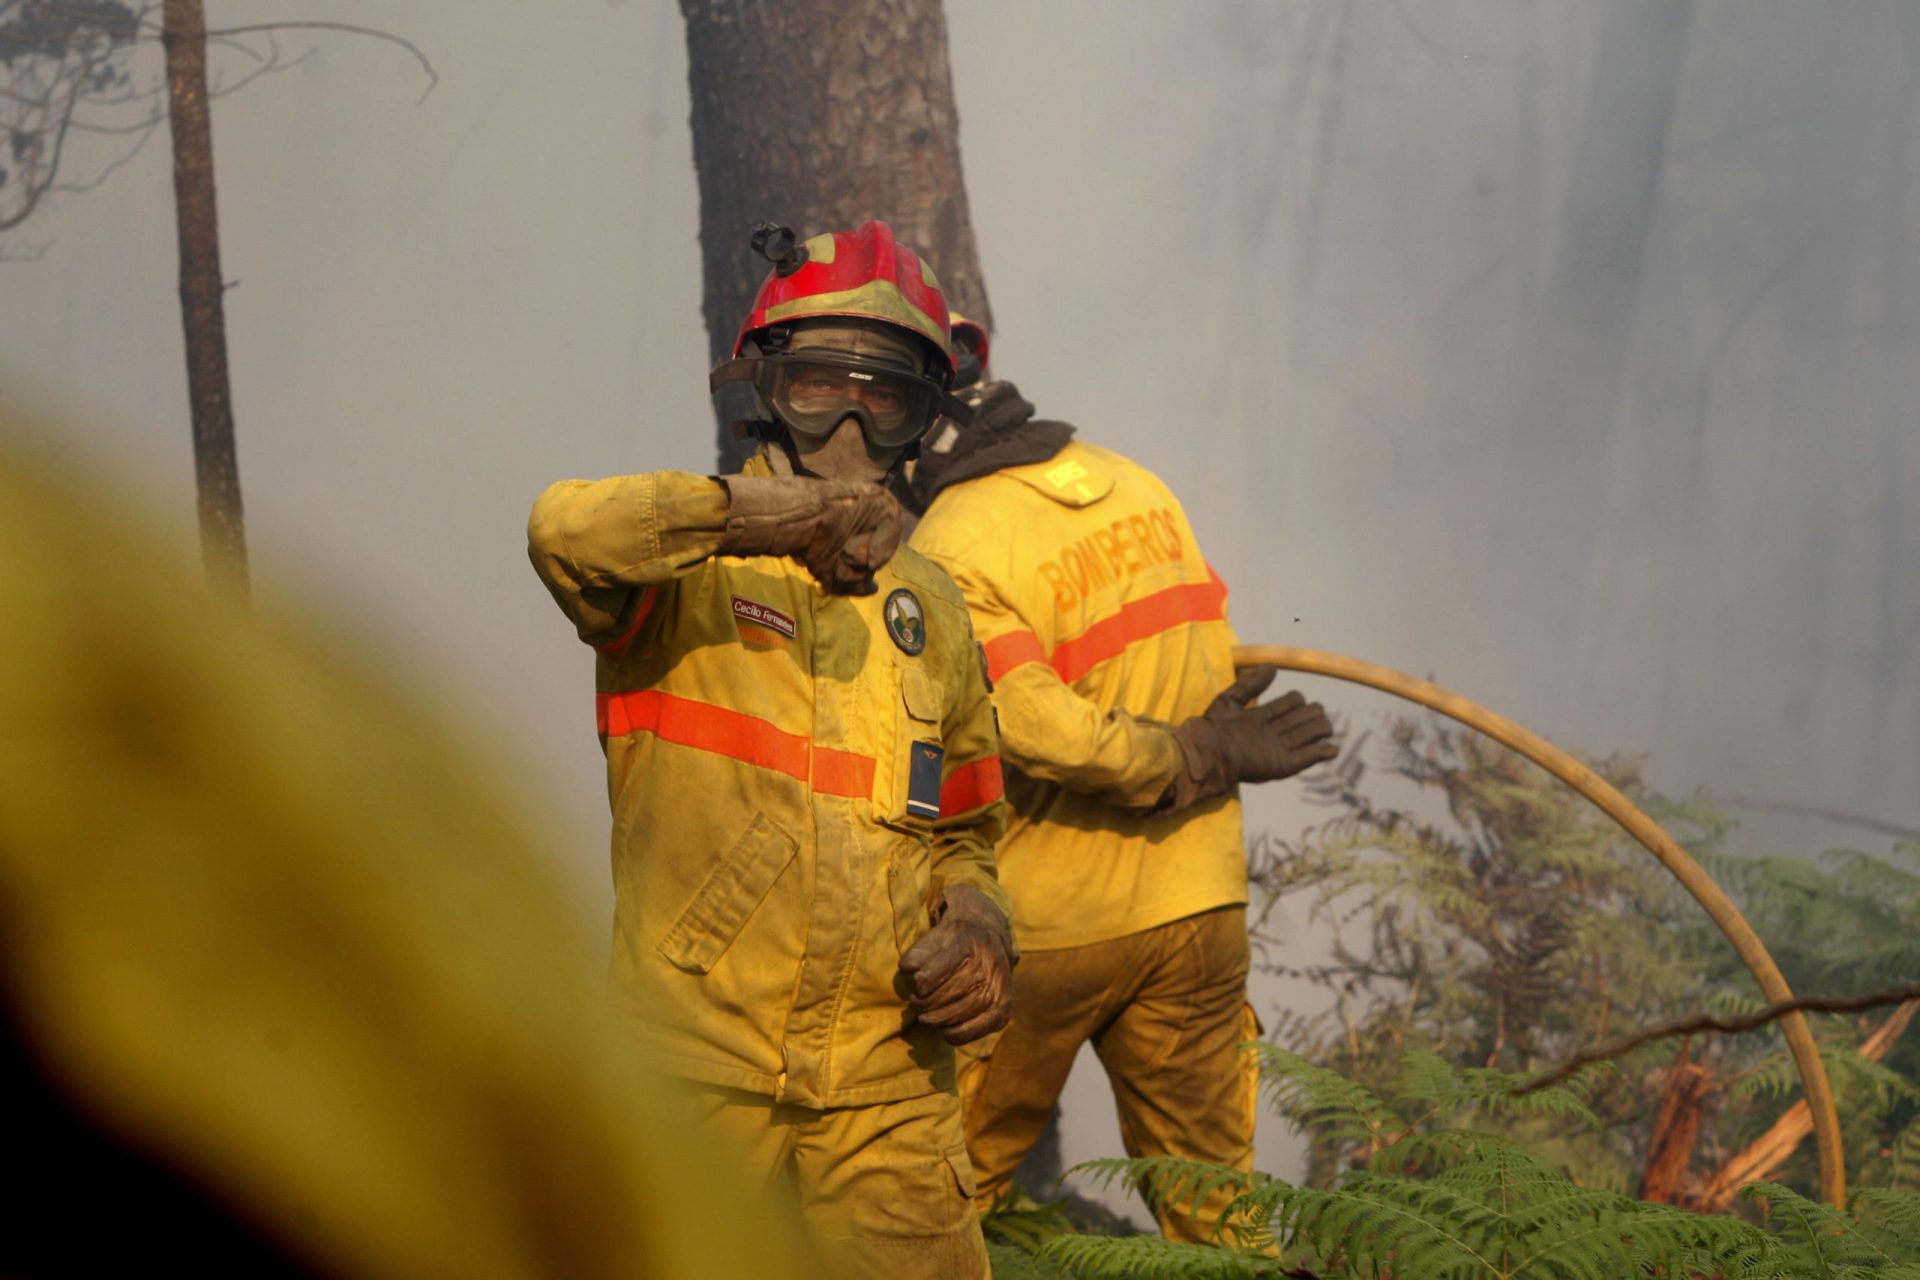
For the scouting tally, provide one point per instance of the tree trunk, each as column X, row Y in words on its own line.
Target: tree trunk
column 1766, row 1153
column 1688, row 1088
column 223, row 537
column 820, row 114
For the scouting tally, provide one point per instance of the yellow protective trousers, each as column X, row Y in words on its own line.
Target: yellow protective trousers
column 886, row 1187
column 1166, row 1010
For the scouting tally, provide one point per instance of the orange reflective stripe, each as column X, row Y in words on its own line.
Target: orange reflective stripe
column 842, row 773
column 748, row 739
column 1109, row 637
column 1014, row 649
column 972, row 785
column 1139, row 619
column 614, row 648
column 704, row 727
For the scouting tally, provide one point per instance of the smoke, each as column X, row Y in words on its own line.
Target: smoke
column 1336, row 271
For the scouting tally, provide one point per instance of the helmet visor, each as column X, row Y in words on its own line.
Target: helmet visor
column 813, row 395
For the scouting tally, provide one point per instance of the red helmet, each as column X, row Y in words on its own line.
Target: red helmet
column 864, row 274
column 895, row 381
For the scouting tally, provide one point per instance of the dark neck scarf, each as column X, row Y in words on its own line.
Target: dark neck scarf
column 1004, row 433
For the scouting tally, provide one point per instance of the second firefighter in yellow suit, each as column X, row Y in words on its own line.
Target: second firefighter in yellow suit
column 803, row 767
column 1126, row 733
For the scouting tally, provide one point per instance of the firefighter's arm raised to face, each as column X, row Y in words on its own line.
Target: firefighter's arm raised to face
column 604, row 547
column 601, row 546
column 1052, row 733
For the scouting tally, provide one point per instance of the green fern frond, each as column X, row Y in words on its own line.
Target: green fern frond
column 1011, row 1263
column 1854, row 1075
column 1373, row 1221
column 1897, row 1212
column 1426, row 1083
column 1150, row 1258
column 1771, row 1079
column 1822, row 1237
column 1904, row 1157
column 1776, row 1077
column 1424, row 1077
column 1734, row 1004
column 1170, row 1183
column 1491, row 1091
column 1316, row 1097
column 1494, row 1211
column 1873, row 878
column 1025, row 1224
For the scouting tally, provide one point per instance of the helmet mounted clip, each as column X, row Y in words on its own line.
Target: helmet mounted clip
column 778, row 245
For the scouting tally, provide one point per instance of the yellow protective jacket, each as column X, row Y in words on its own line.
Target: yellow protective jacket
column 1099, row 618
column 775, row 845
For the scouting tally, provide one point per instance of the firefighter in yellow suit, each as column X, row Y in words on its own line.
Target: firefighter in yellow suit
column 803, row 766
column 1126, row 734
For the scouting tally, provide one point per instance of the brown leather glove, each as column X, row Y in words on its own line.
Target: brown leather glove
column 842, row 532
column 1239, row 740
column 962, row 967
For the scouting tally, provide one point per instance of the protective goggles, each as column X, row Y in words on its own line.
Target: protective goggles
column 814, row 390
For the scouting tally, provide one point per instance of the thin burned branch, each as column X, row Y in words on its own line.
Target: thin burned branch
column 350, row 28
column 65, row 70
column 1708, row 1022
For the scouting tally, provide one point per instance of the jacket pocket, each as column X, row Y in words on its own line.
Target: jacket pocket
column 962, row 1169
column 732, row 891
column 909, row 884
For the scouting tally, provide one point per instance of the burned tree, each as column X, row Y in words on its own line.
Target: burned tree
column 820, row 115
column 223, row 538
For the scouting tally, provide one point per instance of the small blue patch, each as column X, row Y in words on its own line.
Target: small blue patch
column 923, row 779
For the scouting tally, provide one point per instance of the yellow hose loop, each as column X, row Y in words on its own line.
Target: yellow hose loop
column 1806, row 1057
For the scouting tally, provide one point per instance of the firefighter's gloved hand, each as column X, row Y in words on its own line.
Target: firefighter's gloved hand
column 841, row 531
column 962, row 968
column 1240, row 740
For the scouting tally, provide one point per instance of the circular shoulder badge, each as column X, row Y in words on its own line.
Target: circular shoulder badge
column 906, row 621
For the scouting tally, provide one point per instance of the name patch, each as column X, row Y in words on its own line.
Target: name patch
column 759, row 615
column 923, row 780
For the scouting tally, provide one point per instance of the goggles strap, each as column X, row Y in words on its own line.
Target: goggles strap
column 952, row 406
column 739, row 369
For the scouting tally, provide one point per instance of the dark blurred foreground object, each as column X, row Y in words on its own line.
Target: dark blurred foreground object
column 282, row 990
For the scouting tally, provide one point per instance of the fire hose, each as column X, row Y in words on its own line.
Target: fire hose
column 1806, row 1055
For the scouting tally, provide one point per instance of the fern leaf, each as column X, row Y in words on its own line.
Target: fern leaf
column 1904, row 1161
column 1025, row 1224
column 1376, row 1222
column 1011, row 1263
column 1895, row 1212
column 1823, row 1237
column 1170, row 1183
column 1148, row 1258
column 1314, row 1096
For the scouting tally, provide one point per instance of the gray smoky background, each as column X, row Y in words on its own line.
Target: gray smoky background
column 1562, row 351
